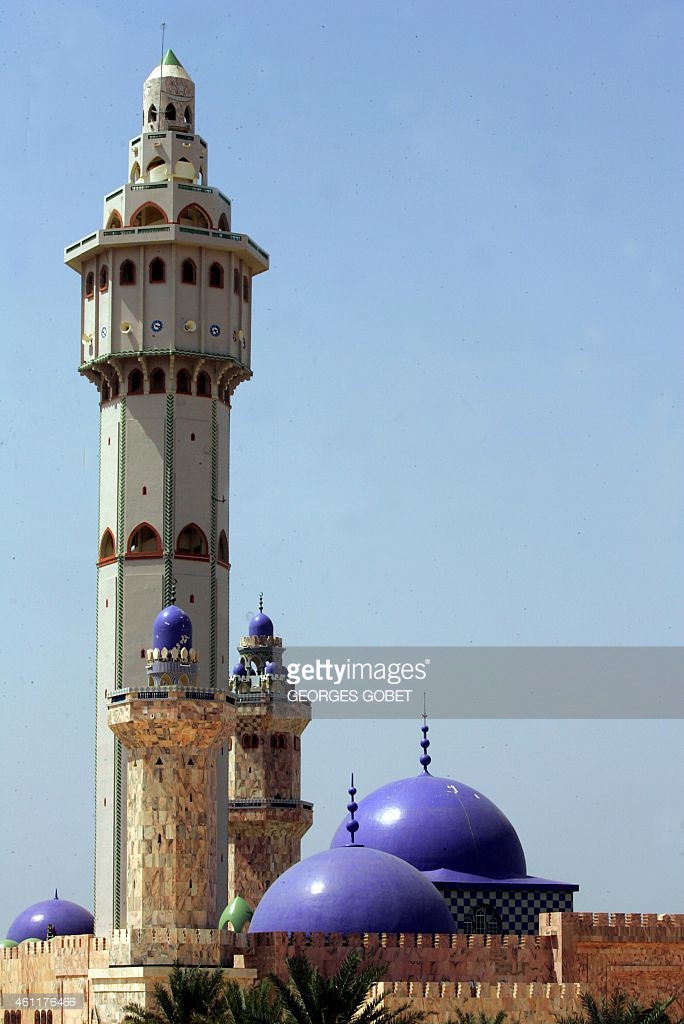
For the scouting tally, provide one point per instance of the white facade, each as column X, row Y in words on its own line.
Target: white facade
column 166, row 338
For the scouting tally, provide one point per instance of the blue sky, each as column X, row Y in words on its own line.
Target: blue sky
column 465, row 423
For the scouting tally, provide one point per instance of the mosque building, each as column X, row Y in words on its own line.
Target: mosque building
column 199, row 816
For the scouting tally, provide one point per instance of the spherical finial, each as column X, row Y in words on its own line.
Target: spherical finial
column 261, row 601
column 352, row 825
column 425, row 759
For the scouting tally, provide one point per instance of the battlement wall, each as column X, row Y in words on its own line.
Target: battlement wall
column 523, row 1003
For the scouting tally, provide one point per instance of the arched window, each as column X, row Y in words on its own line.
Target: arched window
column 245, row 288
column 170, row 112
column 246, row 741
column 115, row 387
column 194, row 216
column 127, row 272
column 278, row 742
column 107, row 546
column 49, row 1017
column 148, row 215
column 184, row 169
column 114, row 220
column 157, row 169
column 188, row 272
column 104, row 391
column 152, row 114
column 183, row 383
column 36, row 1017
column 157, row 271
column 482, row 920
column 236, row 281
column 223, row 223
column 6, row 1018
column 144, row 542
column 89, row 286
column 222, row 549
column 204, row 385
column 157, row 382
column 103, row 279
column 192, row 542
column 43, row 1017
column 216, row 276
column 187, row 115
column 135, row 382
column 135, row 172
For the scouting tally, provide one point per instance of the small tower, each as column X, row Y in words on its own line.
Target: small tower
column 266, row 815
column 166, row 301
column 171, row 731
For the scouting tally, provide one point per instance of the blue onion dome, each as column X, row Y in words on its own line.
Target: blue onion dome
column 261, row 625
column 172, row 628
column 61, row 917
column 239, row 669
column 271, row 668
column 352, row 890
column 442, row 827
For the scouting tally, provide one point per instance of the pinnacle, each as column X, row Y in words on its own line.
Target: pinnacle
column 171, row 58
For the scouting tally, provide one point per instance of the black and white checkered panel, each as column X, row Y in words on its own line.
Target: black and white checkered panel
column 518, row 909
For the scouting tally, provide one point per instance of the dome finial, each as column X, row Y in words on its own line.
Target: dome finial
column 352, row 807
column 261, row 601
column 172, row 599
column 425, row 758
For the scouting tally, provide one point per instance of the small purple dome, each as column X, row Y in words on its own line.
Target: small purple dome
column 239, row 669
column 438, row 824
column 66, row 919
column 261, row 625
column 271, row 669
column 172, row 628
column 352, row 890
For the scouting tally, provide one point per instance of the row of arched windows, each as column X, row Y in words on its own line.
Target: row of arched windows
column 170, row 114
column 42, row 1017
column 157, row 275
column 149, row 214
column 14, row 1016
column 145, row 542
column 157, row 385
column 250, row 741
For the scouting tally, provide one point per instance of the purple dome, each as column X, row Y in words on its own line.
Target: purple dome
column 239, row 669
column 172, row 628
column 352, row 890
column 261, row 625
column 66, row 919
column 271, row 669
column 439, row 825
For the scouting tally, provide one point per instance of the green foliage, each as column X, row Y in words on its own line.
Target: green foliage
column 468, row 1017
column 258, row 1004
column 194, row 996
column 342, row 998
column 618, row 1009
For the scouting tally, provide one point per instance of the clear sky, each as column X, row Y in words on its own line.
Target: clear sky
column 465, row 423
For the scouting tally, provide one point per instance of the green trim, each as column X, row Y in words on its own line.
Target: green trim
column 170, row 59
column 169, row 503
column 193, row 352
column 213, row 543
column 119, row 657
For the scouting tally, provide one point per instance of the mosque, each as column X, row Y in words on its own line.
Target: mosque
column 199, row 815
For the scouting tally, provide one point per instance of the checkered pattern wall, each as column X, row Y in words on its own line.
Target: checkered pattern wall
column 517, row 909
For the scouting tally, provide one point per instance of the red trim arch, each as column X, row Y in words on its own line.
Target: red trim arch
column 144, row 542
column 107, row 551
column 222, row 550
column 192, row 543
column 195, row 216
column 139, row 212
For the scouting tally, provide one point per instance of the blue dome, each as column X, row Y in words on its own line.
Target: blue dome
column 172, row 628
column 66, row 919
column 352, row 890
column 239, row 669
column 271, row 669
column 261, row 625
column 440, row 826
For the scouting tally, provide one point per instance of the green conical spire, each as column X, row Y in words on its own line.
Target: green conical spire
column 171, row 58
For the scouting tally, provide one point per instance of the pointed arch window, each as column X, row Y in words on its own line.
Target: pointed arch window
column 194, row 216
column 236, row 281
column 187, row 115
column 157, row 271
column 127, row 272
column 157, row 382
column 89, row 286
column 148, row 215
column 170, row 112
column 135, row 382
column 183, row 383
column 107, row 547
column 104, row 391
column 204, row 385
column 152, row 114
column 223, row 223
column 135, row 172
column 216, row 275
column 188, row 272
column 144, row 542
column 245, row 288
column 103, row 279
column 114, row 220
column 222, row 549
column 192, row 543
column 115, row 387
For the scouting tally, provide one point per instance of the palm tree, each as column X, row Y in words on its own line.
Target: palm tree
column 342, row 998
column 618, row 1009
column 194, row 996
column 468, row 1017
column 256, row 1005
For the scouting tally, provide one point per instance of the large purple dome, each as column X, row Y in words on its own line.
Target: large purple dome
column 439, row 826
column 261, row 625
column 65, row 917
column 352, row 890
column 172, row 628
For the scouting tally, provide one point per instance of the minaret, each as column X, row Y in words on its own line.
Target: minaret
column 166, row 338
column 266, row 815
column 171, row 730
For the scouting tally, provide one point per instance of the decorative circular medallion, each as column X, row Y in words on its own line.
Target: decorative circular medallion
column 214, row 330
column 103, row 332
column 157, row 326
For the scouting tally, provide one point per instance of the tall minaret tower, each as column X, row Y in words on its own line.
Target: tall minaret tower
column 166, row 338
column 266, row 815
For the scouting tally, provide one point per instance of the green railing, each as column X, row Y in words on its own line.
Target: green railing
column 196, row 188
column 159, row 227
column 156, row 184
